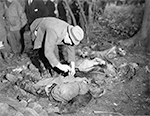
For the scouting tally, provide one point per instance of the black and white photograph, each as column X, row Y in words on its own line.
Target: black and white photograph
column 74, row 57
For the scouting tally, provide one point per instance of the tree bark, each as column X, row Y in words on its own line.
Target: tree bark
column 146, row 20
column 90, row 12
column 82, row 12
column 71, row 14
column 83, row 22
column 142, row 37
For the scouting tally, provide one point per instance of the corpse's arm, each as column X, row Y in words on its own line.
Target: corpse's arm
column 50, row 41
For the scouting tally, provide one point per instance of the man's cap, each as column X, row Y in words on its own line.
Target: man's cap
column 76, row 33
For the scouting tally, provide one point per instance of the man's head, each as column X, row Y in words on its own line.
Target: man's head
column 74, row 35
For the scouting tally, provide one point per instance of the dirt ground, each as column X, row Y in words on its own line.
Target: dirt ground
column 122, row 96
column 125, row 96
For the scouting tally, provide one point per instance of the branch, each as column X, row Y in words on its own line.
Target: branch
column 72, row 16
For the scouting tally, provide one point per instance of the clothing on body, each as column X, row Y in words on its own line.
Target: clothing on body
column 51, row 8
column 15, row 21
column 55, row 30
column 35, row 9
column 62, row 11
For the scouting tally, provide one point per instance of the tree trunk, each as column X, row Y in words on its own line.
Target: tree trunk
column 90, row 13
column 142, row 37
column 83, row 22
column 71, row 14
column 144, row 33
column 146, row 20
column 82, row 12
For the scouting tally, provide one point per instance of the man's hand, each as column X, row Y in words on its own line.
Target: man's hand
column 63, row 67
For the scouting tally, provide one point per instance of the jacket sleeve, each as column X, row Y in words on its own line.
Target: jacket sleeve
column 50, row 44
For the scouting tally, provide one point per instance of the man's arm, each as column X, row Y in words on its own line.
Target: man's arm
column 50, row 41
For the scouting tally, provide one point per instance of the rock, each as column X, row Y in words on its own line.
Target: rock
column 11, row 77
column 36, row 76
column 4, row 81
column 22, row 92
column 3, row 109
column 43, row 82
column 97, row 92
column 32, row 67
column 20, row 77
column 38, row 108
column 52, row 109
column 11, row 112
column 19, row 114
column 23, row 103
column 43, row 113
column 43, row 102
column 30, row 112
column 19, row 69
column 35, row 106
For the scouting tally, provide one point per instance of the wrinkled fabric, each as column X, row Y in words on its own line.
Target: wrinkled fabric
column 3, row 31
column 55, row 30
column 86, row 65
column 36, row 9
column 68, row 87
column 2, row 23
column 66, row 91
column 15, row 16
column 14, row 39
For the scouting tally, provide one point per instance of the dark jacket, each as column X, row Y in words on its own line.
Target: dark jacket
column 15, row 16
column 55, row 30
column 51, row 8
column 35, row 10
column 62, row 11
